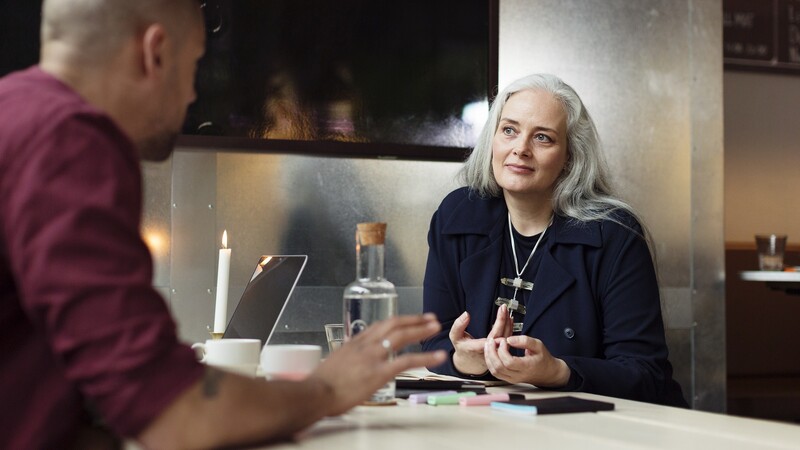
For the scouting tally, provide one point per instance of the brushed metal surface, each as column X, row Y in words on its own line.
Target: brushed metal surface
column 194, row 243
column 309, row 205
column 279, row 204
column 157, row 218
column 650, row 75
column 707, row 238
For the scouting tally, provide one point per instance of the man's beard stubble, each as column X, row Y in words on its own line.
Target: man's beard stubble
column 157, row 148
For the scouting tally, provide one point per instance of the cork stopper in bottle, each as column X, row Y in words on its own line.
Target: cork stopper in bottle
column 371, row 233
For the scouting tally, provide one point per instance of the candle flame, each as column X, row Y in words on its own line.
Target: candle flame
column 225, row 239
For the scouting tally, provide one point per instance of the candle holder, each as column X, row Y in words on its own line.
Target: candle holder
column 214, row 336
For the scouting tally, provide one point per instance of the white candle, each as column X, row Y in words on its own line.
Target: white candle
column 223, row 273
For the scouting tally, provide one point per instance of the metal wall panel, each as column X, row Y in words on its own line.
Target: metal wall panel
column 708, row 243
column 157, row 218
column 194, row 243
column 650, row 73
column 279, row 204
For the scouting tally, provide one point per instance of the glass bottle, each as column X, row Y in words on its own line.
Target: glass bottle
column 371, row 297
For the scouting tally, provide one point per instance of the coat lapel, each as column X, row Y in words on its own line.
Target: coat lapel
column 550, row 282
column 480, row 222
column 552, row 279
column 479, row 275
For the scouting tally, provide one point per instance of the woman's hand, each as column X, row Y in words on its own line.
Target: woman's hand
column 468, row 357
column 503, row 324
column 537, row 367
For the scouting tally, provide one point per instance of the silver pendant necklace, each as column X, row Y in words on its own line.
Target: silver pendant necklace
column 517, row 282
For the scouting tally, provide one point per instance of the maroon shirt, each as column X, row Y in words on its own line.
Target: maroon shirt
column 81, row 327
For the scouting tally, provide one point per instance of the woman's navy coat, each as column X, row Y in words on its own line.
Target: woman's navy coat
column 595, row 304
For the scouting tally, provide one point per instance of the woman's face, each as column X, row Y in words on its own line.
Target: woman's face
column 529, row 148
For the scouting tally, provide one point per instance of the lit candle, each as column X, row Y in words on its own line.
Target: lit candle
column 223, row 273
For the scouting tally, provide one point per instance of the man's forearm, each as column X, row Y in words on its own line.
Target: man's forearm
column 225, row 409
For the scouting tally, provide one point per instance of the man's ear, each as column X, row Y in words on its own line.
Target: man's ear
column 153, row 49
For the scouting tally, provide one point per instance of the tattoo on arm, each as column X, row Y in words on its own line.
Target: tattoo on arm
column 211, row 381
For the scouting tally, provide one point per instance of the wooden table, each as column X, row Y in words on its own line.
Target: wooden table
column 632, row 425
column 788, row 282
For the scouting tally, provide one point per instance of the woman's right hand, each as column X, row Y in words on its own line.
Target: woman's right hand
column 468, row 357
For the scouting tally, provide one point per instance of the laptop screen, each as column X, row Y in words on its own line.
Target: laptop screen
column 265, row 297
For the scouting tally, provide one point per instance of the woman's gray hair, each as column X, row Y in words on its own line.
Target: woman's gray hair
column 583, row 191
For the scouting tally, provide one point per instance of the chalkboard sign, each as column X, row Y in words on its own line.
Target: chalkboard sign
column 762, row 35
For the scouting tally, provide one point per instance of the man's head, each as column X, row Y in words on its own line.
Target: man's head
column 136, row 60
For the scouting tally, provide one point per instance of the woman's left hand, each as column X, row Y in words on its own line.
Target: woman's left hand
column 537, row 367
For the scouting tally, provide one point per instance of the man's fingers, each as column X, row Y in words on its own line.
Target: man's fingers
column 400, row 337
column 400, row 330
column 412, row 360
column 384, row 326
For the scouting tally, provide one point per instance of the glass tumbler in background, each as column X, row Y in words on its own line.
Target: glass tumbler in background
column 335, row 334
column 371, row 297
column 771, row 248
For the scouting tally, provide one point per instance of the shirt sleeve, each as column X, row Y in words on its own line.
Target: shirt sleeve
column 84, row 273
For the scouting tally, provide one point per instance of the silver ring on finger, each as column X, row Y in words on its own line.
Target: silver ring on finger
column 387, row 345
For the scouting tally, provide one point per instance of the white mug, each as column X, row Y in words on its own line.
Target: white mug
column 236, row 355
column 290, row 361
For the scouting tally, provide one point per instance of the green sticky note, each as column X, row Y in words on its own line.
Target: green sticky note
column 451, row 399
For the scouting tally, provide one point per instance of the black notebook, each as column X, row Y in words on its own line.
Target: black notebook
column 553, row 405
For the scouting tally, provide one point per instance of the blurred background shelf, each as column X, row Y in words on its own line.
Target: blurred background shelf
column 763, row 338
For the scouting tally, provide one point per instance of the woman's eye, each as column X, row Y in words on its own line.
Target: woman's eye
column 508, row 131
column 542, row 138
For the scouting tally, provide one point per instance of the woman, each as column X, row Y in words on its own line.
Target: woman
column 537, row 272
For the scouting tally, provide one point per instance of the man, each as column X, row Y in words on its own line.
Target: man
column 86, row 339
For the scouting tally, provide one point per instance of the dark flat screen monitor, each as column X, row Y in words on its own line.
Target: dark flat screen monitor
column 410, row 78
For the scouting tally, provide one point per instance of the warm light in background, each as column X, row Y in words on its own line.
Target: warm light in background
column 264, row 261
column 155, row 242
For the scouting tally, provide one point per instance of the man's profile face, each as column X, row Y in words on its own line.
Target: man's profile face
column 178, row 93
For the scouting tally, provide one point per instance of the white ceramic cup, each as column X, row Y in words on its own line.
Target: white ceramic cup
column 235, row 355
column 290, row 361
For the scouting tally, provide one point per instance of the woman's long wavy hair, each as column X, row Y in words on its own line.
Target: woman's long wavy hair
column 583, row 191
